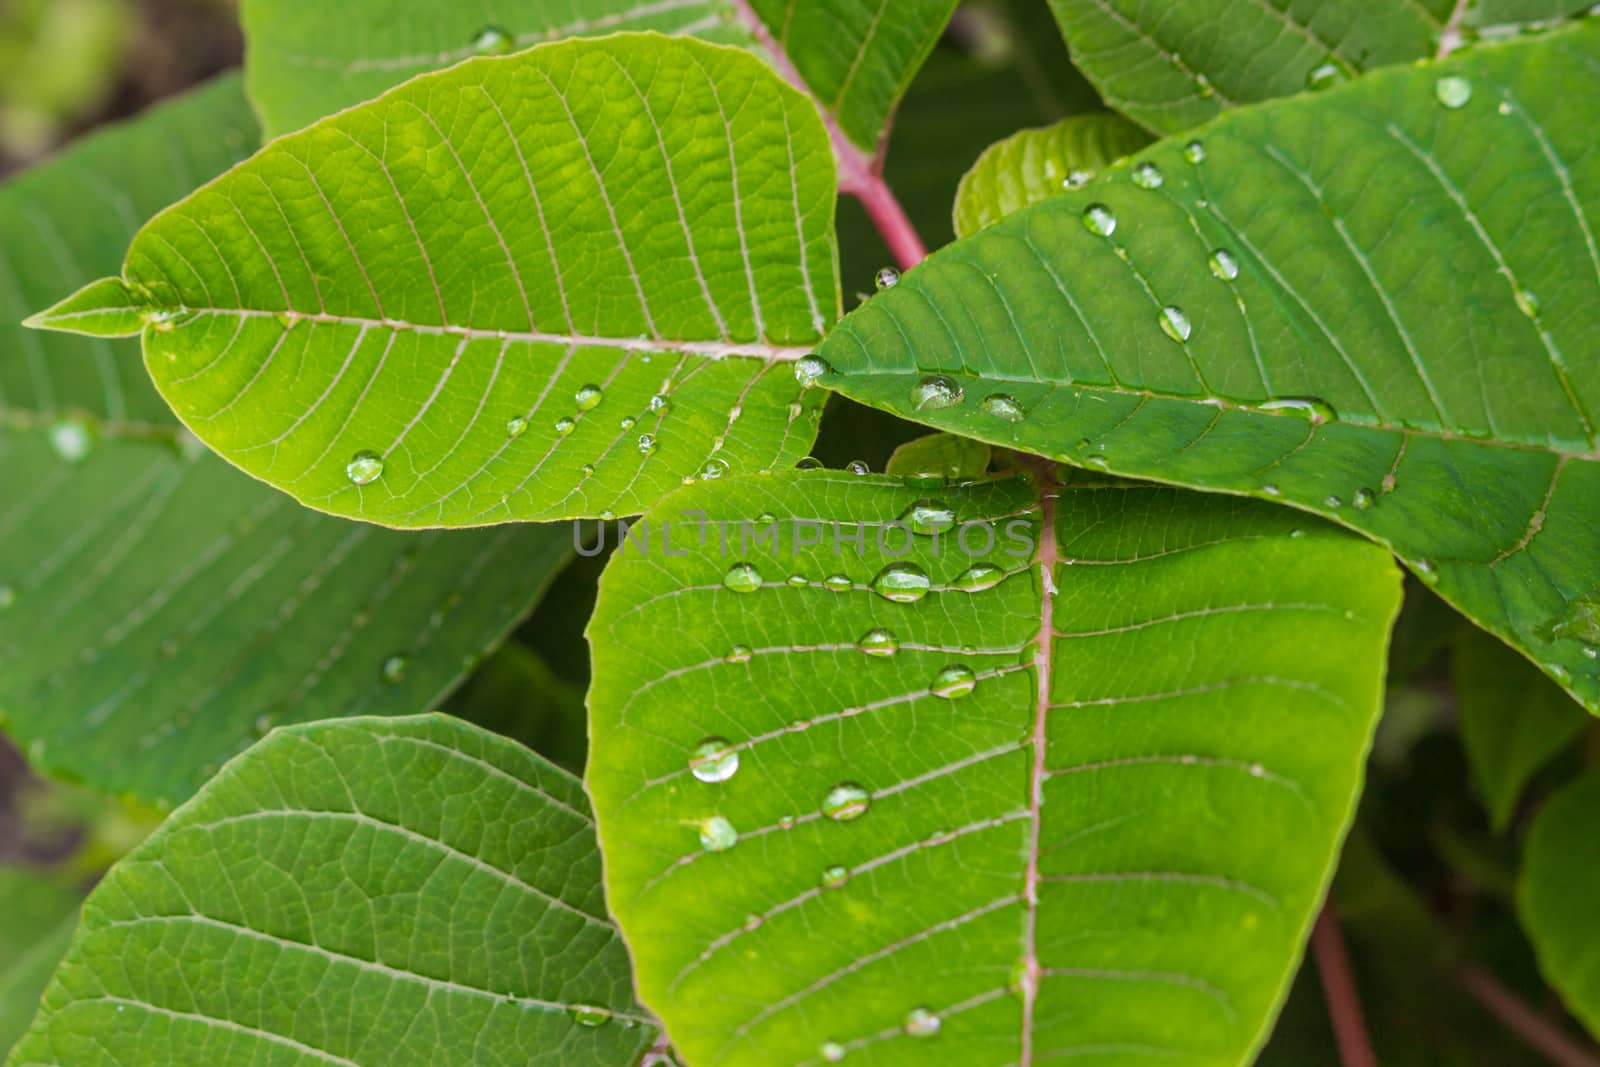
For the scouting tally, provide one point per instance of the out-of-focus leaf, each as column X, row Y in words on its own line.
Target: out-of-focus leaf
column 37, row 914
column 516, row 694
column 1557, row 895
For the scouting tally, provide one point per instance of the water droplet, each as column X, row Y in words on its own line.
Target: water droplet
column 1363, row 499
column 846, row 801
column 72, row 440
column 717, row 834
column 1195, row 152
column 658, row 404
column 739, row 654
column 714, row 469
column 1528, row 303
column 1559, row 672
column 1591, row 652
column 879, row 642
column 492, row 40
column 954, row 682
column 589, row 1015
column 839, row 583
column 1333, row 502
column 587, row 470
column 588, row 398
column 262, row 725
column 742, row 578
column 1148, row 176
column 1426, row 571
column 903, row 583
column 832, row 1051
column 886, row 278
column 517, row 426
column 563, row 427
column 1077, row 179
column 786, row 822
column 810, row 370
column 1002, row 407
column 1224, row 265
column 1099, row 219
column 629, row 422
column 647, row 444
column 364, row 468
column 929, row 517
column 978, row 577
column 798, row 581
column 1453, row 92
column 8, row 596
column 835, row 876
column 1325, row 77
column 1301, row 407
column 714, row 760
column 1271, row 490
column 394, row 669
column 920, row 1022
column 935, row 392
column 859, row 468
column 809, row 463
column 1176, row 324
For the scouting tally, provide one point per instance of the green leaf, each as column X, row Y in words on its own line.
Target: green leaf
column 1513, row 721
column 1410, row 356
column 825, row 812
column 1559, row 884
column 543, row 286
column 364, row 892
column 158, row 610
column 517, row 695
column 1034, row 165
column 37, row 914
column 940, row 455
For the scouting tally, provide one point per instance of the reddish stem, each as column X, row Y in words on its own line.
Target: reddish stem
column 1339, row 989
column 1538, row 1032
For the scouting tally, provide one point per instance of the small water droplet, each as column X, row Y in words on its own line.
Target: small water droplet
column 1426, row 571
column 647, row 444
column 786, row 822
column 1224, row 265
column 1591, row 652
column 714, row 469
column 739, row 654
column 859, row 468
column 1301, row 407
column 588, row 398
column 587, row 470
column 742, row 578
column 886, row 278
column 846, row 801
column 714, row 760
column 1453, row 92
column 72, row 440
column 838, row 583
column 935, row 392
column 1176, row 324
column 492, row 40
column 920, row 1022
column 903, row 583
column 954, row 682
column 1559, row 672
column 364, row 468
column 810, row 370
column 717, row 834
column 1148, row 176
column 798, row 581
column 879, row 642
column 1333, row 502
column 589, row 1015
column 929, row 517
column 1363, row 499
column 262, row 725
column 1099, row 219
column 978, row 577
column 563, row 426
column 629, row 422
column 1077, row 179
column 658, row 404
column 1528, row 303
column 394, row 669
column 1195, row 152
column 1002, row 407
column 835, row 876
column 832, row 1051
column 1325, row 77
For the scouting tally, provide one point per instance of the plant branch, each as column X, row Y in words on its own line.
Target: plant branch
column 1339, row 989
column 1539, row 1033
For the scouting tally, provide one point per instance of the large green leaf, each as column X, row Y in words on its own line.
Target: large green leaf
column 546, row 285
column 1173, row 66
column 367, row 892
column 37, row 914
column 1556, row 895
column 158, row 610
column 1378, row 303
column 1079, row 799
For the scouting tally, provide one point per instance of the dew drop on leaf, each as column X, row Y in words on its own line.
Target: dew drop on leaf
column 589, row 1015
column 1325, row 76
column 1099, row 219
column 1301, row 407
column 798, row 581
column 839, row 583
column 516, row 426
column 738, row 654
column 72, row 440
column 935, row 392
column 647, row 444
column 394, row 669
column 1148, row 176
column 588, row 398
column 1363, row 499
column 492, row 40
column 1224, row 265
column 920, row 1022
column 714, row 760
column 879, row 642
column 832, row 1051
column 714, row 469
column 1002, row 407
column 810, row 369
column 364, row 468
column 587, row 470
column 1453, row 92
column 629, row 422
column 1528, row 303
column 954, row 682
column 903, row 583
column 717, row 834
column 886, row 278
column 658, row 404
column 859, row 468
column 809, row 463
column 835, row 876
column 846, row 801
column 978, row 577
column 742, row 578
column 1195, row 152
column 929, row 517
column 1176, row 323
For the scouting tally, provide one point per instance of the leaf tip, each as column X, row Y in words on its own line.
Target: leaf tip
column 106, row 308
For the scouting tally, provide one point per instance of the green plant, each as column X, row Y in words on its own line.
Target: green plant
column 998, row 756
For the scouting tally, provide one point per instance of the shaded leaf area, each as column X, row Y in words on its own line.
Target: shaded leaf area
column 1264, row 317
column 649, row 224
column 1174, row 66
column 517, row 695
column 1513, row 721
column 159, row 610
column 279, row 916
column 1556, row 893
column 856, row 803
column 37, row 915
column 1034, row 165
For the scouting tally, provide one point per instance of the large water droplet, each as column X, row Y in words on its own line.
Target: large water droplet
column 1099, row 219
column 929, row 517
column 588, row 398
column 935, row 392
column 395, row 668
column 879, row 642
column 717, row 834
column 1176, row 324
column 492, row 40
column 1148, row 176
column 846, row 801
column 1224, row 265
column 903, row 583
column 589, row 1015
column 920, row 1022
column 1453, row 91
column 810, row 369
column 72, row 440
column 364, row 468
column 886, row 278
column 742, row 578
column 835, row 876
column 714, row 760
column 954, row 682
column 1002, row 407
column 517, row 426
column 978, row 577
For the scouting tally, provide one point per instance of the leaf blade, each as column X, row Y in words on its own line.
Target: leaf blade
column 1555, row 894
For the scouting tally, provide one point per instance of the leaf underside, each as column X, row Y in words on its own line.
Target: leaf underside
column 1173, row 809
column 1365, row 303
column 361, row 893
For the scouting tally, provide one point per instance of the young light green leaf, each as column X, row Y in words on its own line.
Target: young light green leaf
column 1074, row 779
column 37, row 914
column 1559, row 884
column 159, row 610
column 548, row 285
column 358, row 893
column 940, row 455
column 1035, row 165
column 1513, row 721
column 1410, row 356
